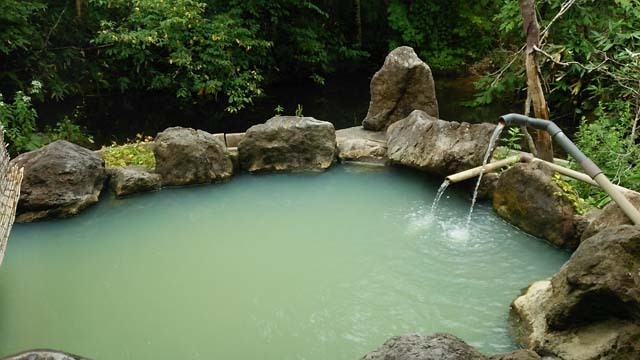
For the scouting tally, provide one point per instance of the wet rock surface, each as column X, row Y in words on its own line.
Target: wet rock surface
column 517, row 355
column 44, row 355
column 130, row 180
column 437, row 146
column 527, row 196
column 185, row 156
column 288, row 143
column 610, row 216
column 358, row 144
column 60, row 179
column 403, row 84
column 419, row 347
column 590, row 309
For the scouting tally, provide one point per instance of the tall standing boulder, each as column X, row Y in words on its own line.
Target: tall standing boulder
column 185, row 156
column 437, row 146
column 60, row 180
column 288, row 143
column 527, row 196
column 403, row 84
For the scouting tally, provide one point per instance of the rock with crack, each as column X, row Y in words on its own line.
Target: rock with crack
column 436, row 146
column 403, row 84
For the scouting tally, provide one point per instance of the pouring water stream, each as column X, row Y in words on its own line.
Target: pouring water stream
column 492, row 143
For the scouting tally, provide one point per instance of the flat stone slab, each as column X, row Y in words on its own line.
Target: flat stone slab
column 358, row 144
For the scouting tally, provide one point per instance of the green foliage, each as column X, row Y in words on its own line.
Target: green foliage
column 299, row 111
column 177, row 45
column 18, row 118
column 511, row 141
column 67, row 129
column 448, row 34
column 591, row 54
column 137, row 152
column 571, row 194
column 278, row 110
column 608, row 141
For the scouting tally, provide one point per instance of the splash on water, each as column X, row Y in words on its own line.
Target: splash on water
column 492, row 143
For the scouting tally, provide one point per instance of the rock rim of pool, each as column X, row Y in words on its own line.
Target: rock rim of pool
column 595, row 296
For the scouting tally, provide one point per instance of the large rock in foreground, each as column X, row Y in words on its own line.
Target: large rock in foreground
column 130, row 180
column 590, row 310
column 420, row 347
column 186, row 156
column 44, row 355
column 60, row 180
column 527, row 196
column 358, row 144
column 403, row 84
column 288, row 143
column 437, row 146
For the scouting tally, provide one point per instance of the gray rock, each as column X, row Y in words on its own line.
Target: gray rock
column 358, row 144
column 186, row 156
column 420, row 347
column 600, row 281
column 44, row 355
column 403, row 84
column 590, row 309
column 437, row 146
column 527, row 197
column 517, row 355
column 610, row 216
column 488, row 185
column 288, row 143
column 60, row 179
column 132, row 180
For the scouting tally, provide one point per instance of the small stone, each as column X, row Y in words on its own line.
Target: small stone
column 132, row 180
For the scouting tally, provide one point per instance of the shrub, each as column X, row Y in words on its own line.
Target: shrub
column 137, row 152
column 608, row 140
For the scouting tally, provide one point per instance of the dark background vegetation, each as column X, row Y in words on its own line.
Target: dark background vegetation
column 68, row 68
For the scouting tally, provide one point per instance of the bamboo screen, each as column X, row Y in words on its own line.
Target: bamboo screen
column 10, row 179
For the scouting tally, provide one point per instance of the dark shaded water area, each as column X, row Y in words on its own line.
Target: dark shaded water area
column 343, row 100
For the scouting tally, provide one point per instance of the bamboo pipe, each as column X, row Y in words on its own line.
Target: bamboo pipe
column 577, row 175
column 587, row 164
column 492, row 166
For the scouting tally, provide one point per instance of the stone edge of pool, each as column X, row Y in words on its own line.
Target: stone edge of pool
column 588, row 310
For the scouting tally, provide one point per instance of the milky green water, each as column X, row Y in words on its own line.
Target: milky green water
column 315, row 266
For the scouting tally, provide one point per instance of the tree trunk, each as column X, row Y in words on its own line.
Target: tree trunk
column 542, row 139
column 358, row 20
column 79, row 9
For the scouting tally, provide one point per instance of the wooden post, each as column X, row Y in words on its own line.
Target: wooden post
column 543, row 142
